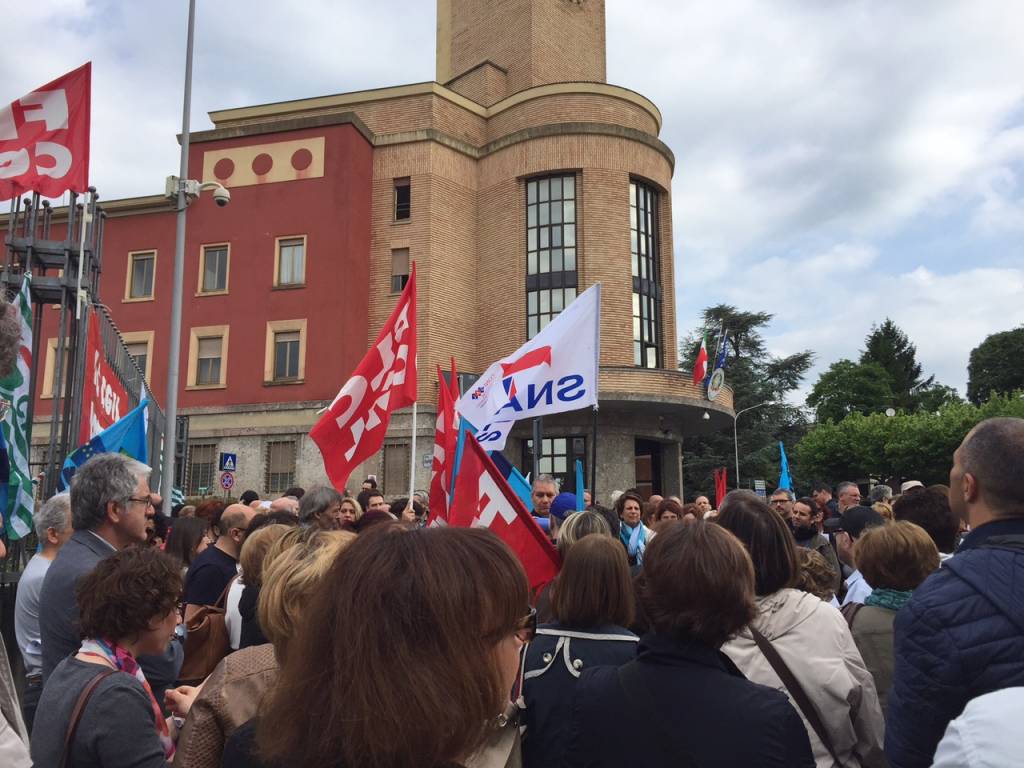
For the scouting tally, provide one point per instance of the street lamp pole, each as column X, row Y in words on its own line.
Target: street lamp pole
column 735, row 439
column 174, row 345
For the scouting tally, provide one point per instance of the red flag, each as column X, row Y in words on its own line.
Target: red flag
column 720, row 486
column 104, row 399
column 700, row 365
column 44, row 138
column 352, row 428
column 446, row 437
column 483, row 499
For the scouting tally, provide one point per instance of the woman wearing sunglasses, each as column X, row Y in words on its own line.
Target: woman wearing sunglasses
column 408, row 656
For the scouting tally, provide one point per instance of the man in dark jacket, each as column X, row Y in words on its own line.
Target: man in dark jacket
column 110, row 503
column 962, row 633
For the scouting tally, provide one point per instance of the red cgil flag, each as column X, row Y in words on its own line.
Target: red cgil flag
column 720, row 486
column 483, row 499
column 44, row 138
column 446, row 437
column 352, row 428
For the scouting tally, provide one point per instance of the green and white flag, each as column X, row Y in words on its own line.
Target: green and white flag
column 16, row 393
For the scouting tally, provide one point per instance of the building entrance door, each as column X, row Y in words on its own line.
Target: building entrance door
column 647, row 456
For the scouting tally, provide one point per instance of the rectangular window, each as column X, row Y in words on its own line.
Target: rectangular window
column 645, row 251
column 396, row 470
column 141, row 268
column 399, row 269
column 208, row 363
column 403, row 199
column 215, row 269
column 280, row 466
column 558, row 459
column 286, row 355
column 551, row 252
column 291, row 261
column 139, row 352
column 201, row 468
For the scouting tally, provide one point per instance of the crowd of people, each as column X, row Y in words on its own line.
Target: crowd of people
column 328, row 629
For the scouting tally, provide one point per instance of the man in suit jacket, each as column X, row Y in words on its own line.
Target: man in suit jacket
column 110, row 503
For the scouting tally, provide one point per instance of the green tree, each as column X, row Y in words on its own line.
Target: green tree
column 936, row 396
column 755, row 377
column 889, row 346
column 996, row 365
column 915, row 446
column 848, row 387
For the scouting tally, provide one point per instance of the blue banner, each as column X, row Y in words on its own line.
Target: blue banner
column 127, row 436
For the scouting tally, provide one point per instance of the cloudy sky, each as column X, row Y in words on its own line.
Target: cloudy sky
column 837, row 162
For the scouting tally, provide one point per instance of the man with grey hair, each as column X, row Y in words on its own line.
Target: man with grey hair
column 545, row 488
column 53, row 528
column 110, row 503
column 320, row 507
column 880, row 493
column 782, row 502
column 848, row 495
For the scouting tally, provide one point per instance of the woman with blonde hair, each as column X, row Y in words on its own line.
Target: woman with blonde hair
column 293, row 569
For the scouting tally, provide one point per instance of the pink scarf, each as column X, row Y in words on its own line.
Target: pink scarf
column 118, row 658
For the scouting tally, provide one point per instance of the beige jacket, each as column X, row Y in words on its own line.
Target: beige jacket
column 230, row 697
column 814, row 641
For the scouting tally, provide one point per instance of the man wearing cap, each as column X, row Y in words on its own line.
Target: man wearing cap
column 961, row 635
column 910, row 484
column 848, row 527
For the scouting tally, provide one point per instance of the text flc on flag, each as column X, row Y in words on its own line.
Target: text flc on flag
column 483, row 499
column 353, row 426
column 554, row 372
column 44, row 138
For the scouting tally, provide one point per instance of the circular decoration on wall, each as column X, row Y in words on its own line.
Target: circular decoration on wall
column 302, row 159
column 224, row 168
column 716, row 384
column 262, row 163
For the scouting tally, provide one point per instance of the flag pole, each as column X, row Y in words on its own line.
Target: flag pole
column 597, row 385
column 412, row 451
column 593, row 463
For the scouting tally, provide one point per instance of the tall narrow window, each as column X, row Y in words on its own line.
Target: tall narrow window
column 403, row 199
column 558, row 459
column 645, row 254
column 550, row 249
column 291, row 261
column 141, row 267
column 209, row 361
column 201, row 468
column 139, row 352
column 215, row 269
column 286, row 355
column 280, row 467
column 399, row 269
column 396, row 469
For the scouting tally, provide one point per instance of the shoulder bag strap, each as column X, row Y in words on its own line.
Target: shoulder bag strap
column 849, row 612
column 76, row 714
column 640, row 701
column 795, row 690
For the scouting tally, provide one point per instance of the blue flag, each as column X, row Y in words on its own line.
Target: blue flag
column 127, row 436
column 579, row 485
column 723, row 353
column 785, row 481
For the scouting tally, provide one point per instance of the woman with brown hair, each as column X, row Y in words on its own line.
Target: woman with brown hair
column 405, row 656
column 633, row 534
column 681, row 701
column 894, row 559
column 128, row 607
column 801, row 644
column 592, row 603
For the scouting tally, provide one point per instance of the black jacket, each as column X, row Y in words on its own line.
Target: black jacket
column 697, row 711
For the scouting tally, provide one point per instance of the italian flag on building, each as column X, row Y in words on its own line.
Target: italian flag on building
column 700, row 365
column 16, row 392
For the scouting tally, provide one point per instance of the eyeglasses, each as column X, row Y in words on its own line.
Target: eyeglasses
column 526, row 630
column 147, row 500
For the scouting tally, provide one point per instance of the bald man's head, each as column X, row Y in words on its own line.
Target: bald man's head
column 987, row 468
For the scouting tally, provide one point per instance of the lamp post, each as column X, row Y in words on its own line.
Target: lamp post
column 735, row 439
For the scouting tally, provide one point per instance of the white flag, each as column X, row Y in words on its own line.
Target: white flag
column 555, row 371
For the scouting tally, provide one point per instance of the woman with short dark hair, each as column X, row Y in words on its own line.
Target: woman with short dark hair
column 681, row 701
column 127, row 608
column 405, row 656
column 633, row 534
column 592, row 603
column 797, row 636
column 188, row 537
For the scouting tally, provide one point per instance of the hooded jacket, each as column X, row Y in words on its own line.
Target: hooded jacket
column 960, row 636
column 813, row 639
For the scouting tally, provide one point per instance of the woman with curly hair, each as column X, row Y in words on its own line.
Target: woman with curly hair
column 128, row 607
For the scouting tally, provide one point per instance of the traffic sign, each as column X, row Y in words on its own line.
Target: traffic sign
column 228, row 462
column 227, row 481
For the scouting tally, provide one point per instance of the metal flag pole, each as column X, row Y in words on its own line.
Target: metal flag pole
column 174, row 342
column 412, row 448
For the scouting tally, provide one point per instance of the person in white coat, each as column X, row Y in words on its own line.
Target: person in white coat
column 987, row 734
column 809, row 644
